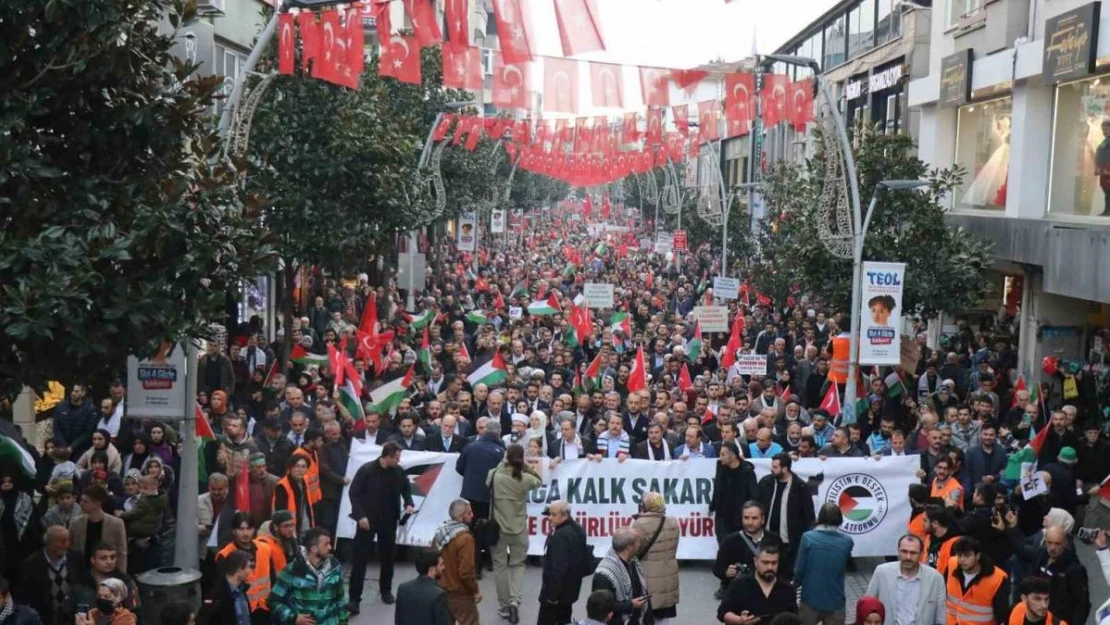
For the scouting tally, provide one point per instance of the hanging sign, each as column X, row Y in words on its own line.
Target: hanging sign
column 466, row 236
column 1071, row 43
column 881, row 313
column 955, row 78
column 497, row 221
column 680, row 244
column 156, row 385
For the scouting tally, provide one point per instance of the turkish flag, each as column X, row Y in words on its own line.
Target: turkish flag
column 688, row 79
column 558, row 136
column 831, row 401
column 401, row 59
column 739, row 89
column 385, row 21
column 560, row 85
column 310, row 37
column 424, row 25
column 681, row 114
column 773, row 98
column 654, row 133
column 472, row 128
column 511, row 83
column 327, row 61
column 462, row 67
column 637, row 378
column 601, row 137
column 458, row 22
column 514, row 31
column 444, row 126
column 287, row 43
column 709, row 121
column 579, row 26
column 607, row 85
column 352, row 63
column 799, row 111
column 582, row 135
column 653, row 87
column 630, row 128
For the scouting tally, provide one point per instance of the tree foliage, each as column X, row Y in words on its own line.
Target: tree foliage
column 944, row 263
column 119, row 231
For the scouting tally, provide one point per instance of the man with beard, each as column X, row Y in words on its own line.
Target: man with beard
column 737, row 551
column 914, row 593
column 761, row 595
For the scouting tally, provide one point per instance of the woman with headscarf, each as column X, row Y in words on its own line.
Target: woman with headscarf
column 137, row 457
column 870, row 611
column 159, row 444
column 658, row 556
column 102, row 441
column 20, row 530
column 109, row 608
column 155, row 467
column 291, row 494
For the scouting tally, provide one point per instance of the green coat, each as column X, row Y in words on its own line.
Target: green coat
column 297, row 592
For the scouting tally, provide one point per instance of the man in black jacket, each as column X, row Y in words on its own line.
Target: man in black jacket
column 41, row 576
column 219, row 607
column 789, row 505
column 736, row 555
column 564, row 565
column 376, row 494
column 446, row 438
column 733, row 485
column 421, row 601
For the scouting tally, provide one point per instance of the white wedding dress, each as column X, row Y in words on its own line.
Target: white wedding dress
column 984, row 189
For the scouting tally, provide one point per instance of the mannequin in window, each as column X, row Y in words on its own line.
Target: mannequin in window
column 988, row 188
column 1102, row 166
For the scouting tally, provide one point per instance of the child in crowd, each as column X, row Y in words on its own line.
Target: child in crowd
column 62, row 512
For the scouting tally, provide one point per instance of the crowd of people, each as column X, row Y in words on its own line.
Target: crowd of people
column 101, row 509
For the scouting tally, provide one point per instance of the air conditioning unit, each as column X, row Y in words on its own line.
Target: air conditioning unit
column 211, row 8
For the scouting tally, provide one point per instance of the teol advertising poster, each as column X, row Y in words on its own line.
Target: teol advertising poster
column 881, row 313
column 467, row 235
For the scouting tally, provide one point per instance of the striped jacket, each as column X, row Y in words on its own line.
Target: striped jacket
column 300, row 589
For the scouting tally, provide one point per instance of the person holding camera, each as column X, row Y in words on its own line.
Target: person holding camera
column 756, row 598
column 736, row 557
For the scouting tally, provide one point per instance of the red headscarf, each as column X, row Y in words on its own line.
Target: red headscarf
column 867, row 605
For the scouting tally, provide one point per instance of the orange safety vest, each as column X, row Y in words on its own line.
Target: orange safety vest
column 1017, row 616
column 312, row 476
column 258, row 583
column 944, row 554
column 291, row 498
column 276, row 551
column 974, row 606
column 916, row 527
column 943, row 492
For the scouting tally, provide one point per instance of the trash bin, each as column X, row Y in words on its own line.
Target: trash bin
column 162, row 586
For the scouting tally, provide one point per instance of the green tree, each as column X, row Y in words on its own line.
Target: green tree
column 944, row 263
column 119, row 231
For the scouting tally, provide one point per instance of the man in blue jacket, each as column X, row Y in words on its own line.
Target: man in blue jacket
column 75, row 421
column 474, row 464
column 819, row 569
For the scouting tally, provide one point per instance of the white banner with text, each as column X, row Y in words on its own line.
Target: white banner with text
column 605, row 495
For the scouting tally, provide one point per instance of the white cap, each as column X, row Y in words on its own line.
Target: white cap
column 521, row 418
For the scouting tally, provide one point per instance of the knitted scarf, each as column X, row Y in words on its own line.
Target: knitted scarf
column 612, row 568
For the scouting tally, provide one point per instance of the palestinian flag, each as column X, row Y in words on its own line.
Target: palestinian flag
column 622, row 322
column 593, row 372
column 550, row 306
column 857, row 503
column 271, row 374
column 578, row 388
column 477, row 317
column 694, row 346
column 601, row 249
column 421, row 320
column 425, row 353
column 350, row 395
column 520, row 289
column 464, row 353
column 11, row 451
column 894, row 386
column 204, row 435
column 302, row 356
column 488, row 372
column 387, row 396
column 1024, row 462
column 1104, row 488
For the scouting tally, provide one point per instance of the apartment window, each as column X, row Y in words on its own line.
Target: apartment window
column 835, row 43
column 958, row 9
column 983, row 150
column 487, row 62
column 1081, row 150
column 230, row 63
column 817, row 47
column 888, row 23
column 861, row 28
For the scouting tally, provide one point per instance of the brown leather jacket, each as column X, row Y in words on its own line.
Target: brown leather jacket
column 459, row 573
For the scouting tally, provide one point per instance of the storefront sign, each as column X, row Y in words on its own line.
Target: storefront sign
column 1071, row 43
column 856, row 88
column 955, row 78
column 885, row 79
column 604, row 496
column 881, row 313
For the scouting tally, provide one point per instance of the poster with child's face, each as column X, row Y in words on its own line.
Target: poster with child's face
column 468, row 224
column 881, row 313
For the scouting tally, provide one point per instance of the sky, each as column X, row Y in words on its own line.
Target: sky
column 684, row 33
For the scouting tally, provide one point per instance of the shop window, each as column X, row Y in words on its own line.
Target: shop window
column 890, row 119
column 983, row 150
column 958, row 9
column 1080, row 183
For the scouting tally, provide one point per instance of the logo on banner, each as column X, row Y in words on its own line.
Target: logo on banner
column 861, row 499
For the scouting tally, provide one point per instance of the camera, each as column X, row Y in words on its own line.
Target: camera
column 1087, row 534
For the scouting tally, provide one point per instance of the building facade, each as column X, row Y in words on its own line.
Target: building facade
column 1028, row 78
